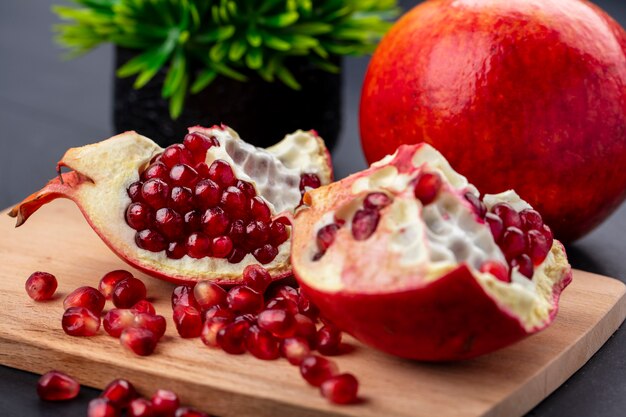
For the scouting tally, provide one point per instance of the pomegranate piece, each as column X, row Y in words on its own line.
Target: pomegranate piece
column 169, row 223
column 140, row 341
column 208, row 294
column 40, row 286
column 340, row 389
column 261, row 344
column 117, row 320
column 57, row 386
column 128, row 292
column 295, row 349
column 256, row 278
column 189, row 412
column 221, row 172
column 183, row 295
column 87, row 297
column 165, row 403
column 188, row 321
column 181, row 200
column 139, row 216
column 328, row 340
column 242, row 299
column 155, row 323
column 141, row 408
column 232, row 337
column 110, row 280
column 265, row 254
column 221, row 247
column 259, row 210
column 317, row 369
column 280, row 323
column 120, row 392
column 435, row 243
column 150, row 240
column 143, row 306
column 79, row 321
column 155, row 192
column 101, row 407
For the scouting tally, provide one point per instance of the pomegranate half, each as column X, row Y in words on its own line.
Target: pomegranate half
column 407, row 258
column 200, row 210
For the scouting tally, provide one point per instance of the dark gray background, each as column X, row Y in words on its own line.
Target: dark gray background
column 47, row 105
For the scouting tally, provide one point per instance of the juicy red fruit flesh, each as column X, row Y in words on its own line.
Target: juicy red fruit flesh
column 316, row 369
column 87, row 297
column 41, row 286
column 165, row 402
column 340, row 389
column 128, row 292
column 79, row 321
column 188, row 321
column 120, row 392
column 57, row 386
column 101, row 407
column 110, row 280
column 140, row 341
column 141, row 408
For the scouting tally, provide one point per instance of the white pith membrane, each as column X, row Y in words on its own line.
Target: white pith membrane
column 114, row 164
column 414, row 245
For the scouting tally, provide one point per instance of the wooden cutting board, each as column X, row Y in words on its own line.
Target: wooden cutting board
column 506, row 383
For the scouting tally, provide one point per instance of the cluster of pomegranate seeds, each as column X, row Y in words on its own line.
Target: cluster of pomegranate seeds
column 522, row 236
column 57, row 386
column 40, row 286
column 267, row 323
column 363, row 224
column 184, row 207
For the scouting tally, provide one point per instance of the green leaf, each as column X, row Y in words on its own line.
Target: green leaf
column 205, row 78
column 312, row 28
column 175, row 74
column 217, row 34
column 178, row 98
column 237, row 50
column 275, row 42
column 254, row 58
column 254, row 37
column 280, row 20
column 219, row 51
column 287, row 77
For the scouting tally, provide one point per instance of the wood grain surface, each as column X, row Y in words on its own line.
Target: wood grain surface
column 506, row 383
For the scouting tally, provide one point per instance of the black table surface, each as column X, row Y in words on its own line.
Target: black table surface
column 48, row 105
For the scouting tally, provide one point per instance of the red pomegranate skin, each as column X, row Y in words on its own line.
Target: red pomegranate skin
column 521, row 94
column 455, row 316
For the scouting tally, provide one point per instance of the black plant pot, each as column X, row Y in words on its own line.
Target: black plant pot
column 261, row 112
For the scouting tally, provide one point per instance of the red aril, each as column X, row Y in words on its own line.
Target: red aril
column 40, row 286
column 208, row 294
column 210, row 329
column 140, row 341
column 141, row 408
column 189, row 412
column 165, row 402
column 280, row 323
column 282, row 304
column 143, row 306
column 295, row 349
column 257, row 278
column 340, row 389
column 188, row 321
column 242, row 299
column 183, row 295
column 261, row 344
column 285, row 291
column 117, row 320
column 305, row 327
column 57, row 386
column 128, row 292
column 427, row 186
column 232, row 337
column 120, row 392
column 101, row 407
column 155, row 323
column 79, row 321
column 328, row 340
column 317, row 369
column 110, row 280
column 87, row 297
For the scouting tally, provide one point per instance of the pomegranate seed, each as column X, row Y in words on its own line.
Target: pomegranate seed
column 496, row 225
column 234, row 202
column 259, row 210
column 155, row 192
column 101, row 407
column 117, row 320
column 242, row 299
column 198, row 245
column 215, row 222
column 513, row 242
column 317, row 369
column 164, row 403
column 547, row 233
column 326, row 236
column 328, row 340
column 537, row 246
column 278, row 233
column 134, row 191
column 309, row 181
column 221, row 172
column 141, row 408
column 143, row 306
column 79, row 321
column 207, row 194
column 210, row 329
column 340, row 389
column 140, row 341
column 192, row 221
column 237, row 231
column 524, row 265
column 261, row 344
column 376, row 201
column 183, row 175
column 232, row 337
column 479, row 207
column 219, row 313
column 41, row 286
column 197, row 144
column 278, row 322
column 176, row 250
column 150, row 240
column 247, row 188
column 265, row 254
column 181, row 199
column 153, row 322
column 169, row 223
column 138, row 216
column 257, row 278
column 236, row 256
column 250, row 318
column 183, row 295
column 295, row 349
column 176, row 154
column 128, row 292
column 364, row 223
column 110, row 280
column 203, row 170
column 497, row 269
column 507, row 213
column 120, row 392
column 57, row 386
column 305, row 327
column 306, row 307
column 189, row 412
column 87, row 297
column 427, row 187
column 156, row 170
column 188, row 321
column 287, row 292
column 531, row 219
column 221, row 246
column 208, row 294
column 257, row 233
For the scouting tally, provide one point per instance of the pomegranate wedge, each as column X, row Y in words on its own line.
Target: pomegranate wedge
column 409, row 259
column 200, row 210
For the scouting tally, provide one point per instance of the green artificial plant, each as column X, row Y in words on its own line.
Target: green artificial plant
column 223, row 37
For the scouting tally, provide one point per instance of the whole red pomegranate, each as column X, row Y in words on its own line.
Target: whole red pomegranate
column 523, row 94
